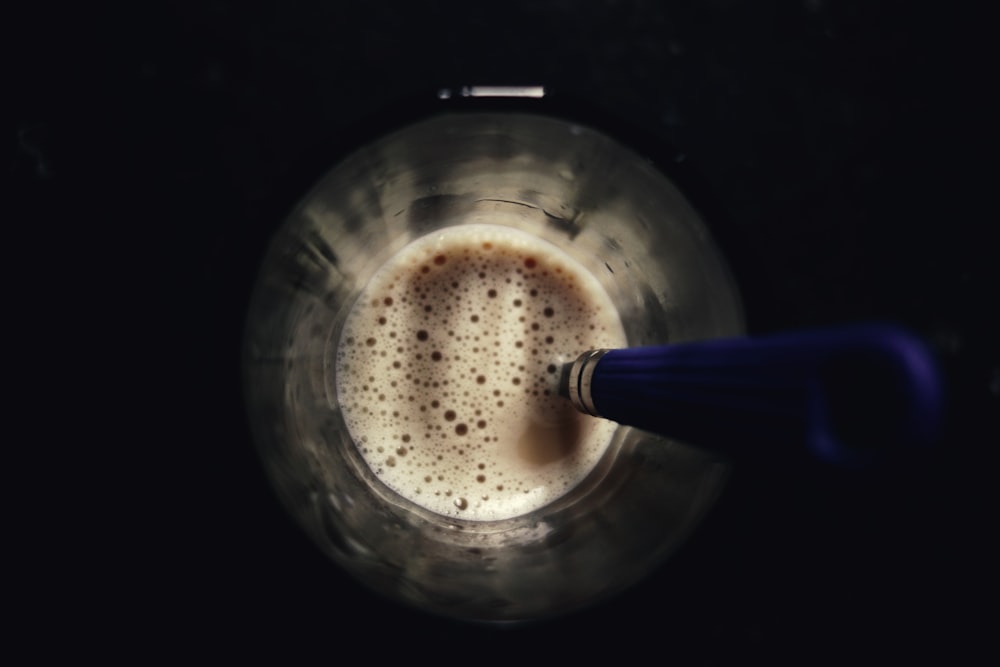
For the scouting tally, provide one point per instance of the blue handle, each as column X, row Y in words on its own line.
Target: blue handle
column 851, row 395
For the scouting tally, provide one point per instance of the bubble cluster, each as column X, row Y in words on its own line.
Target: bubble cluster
column 447, row 372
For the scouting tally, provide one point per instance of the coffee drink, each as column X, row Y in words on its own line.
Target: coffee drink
column 448, row 365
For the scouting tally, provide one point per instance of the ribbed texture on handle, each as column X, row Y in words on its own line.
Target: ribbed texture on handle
column 850, row 394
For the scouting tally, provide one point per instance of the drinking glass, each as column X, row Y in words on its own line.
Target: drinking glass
column 565, row 183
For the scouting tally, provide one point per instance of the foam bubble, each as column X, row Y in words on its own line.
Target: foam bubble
column 453, row 349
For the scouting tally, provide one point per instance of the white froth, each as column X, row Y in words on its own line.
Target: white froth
column 447, row 371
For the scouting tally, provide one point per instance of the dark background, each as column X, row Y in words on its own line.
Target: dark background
column 841, row 153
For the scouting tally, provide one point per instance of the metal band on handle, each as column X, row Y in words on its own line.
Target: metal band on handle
column 581, row 375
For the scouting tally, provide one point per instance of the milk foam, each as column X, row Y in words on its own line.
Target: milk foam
column 447, row 371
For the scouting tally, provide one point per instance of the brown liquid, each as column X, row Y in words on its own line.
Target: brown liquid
column 447, row 371
column 549, row 438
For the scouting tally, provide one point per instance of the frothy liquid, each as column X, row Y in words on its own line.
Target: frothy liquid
column 447, row 371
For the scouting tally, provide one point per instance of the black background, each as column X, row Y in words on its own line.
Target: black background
column 841, row 152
